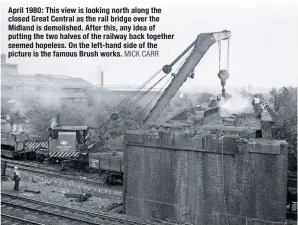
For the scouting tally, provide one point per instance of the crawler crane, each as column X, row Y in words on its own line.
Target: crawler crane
column 196, row 51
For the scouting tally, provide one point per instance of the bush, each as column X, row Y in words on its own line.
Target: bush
column 37, row 117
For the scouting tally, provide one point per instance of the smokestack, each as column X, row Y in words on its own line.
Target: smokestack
column 101, row 78
column 58, row 120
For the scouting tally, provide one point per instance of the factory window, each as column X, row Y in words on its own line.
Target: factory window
column 259, row 134
column 203, row 143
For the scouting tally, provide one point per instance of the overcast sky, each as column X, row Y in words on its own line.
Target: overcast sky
column 263, row 46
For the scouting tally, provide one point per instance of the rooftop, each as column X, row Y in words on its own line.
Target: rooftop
column 124, row 88
column 60, row 94
column 44, row 81
column 3, row 61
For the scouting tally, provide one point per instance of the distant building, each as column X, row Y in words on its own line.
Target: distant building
column 8, row 68
column 44, row 86
column 123, row 92
column 17, row 86
column 114, row 94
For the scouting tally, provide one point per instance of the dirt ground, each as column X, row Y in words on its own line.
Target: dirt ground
column 53, row 190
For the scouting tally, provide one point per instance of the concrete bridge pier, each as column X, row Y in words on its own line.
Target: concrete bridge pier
column 205, row 179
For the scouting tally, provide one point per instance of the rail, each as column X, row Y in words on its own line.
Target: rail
column 82, row 216
column 14, row 218
column 57, row 173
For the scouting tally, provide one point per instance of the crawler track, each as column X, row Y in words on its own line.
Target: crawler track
column 116, row 191
column 48, row 213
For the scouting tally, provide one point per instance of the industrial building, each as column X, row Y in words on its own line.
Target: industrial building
column 114, row 93
column 16, row 86
column 8, row 68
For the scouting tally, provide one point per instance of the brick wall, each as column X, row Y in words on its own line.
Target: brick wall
column 205, row 179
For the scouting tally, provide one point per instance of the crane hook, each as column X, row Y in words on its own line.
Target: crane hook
column 223, row 75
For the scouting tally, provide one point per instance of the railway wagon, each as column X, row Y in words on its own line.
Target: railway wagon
column 108, row 164
column 13, row 144
column 66, row 145
column 37, row 150
column 12, row 141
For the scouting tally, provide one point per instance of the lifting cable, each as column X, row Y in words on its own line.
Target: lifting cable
column 152, row 101
column 131, row 105
column 222, row 154
column 155, row 96
column 129, row 97
column 138, row 89
column 167, row 80
column 228, row 54
column 219, row 55
column 141, row 96
column 188, row 50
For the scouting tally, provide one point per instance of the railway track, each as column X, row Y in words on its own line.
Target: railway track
column 28, row 164
column 50, row 171
column 32, row 211
column 7, row 220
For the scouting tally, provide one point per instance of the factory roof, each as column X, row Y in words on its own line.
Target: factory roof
column 61, row 94
column 128, row 88
column 43, row 81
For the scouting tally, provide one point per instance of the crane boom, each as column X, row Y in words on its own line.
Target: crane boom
column 201, row 45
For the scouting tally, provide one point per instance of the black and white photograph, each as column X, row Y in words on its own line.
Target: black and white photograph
column 149, row 112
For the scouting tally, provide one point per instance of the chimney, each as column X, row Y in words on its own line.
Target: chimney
column 58, row 120
column 3, row 58
column 101, row 77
